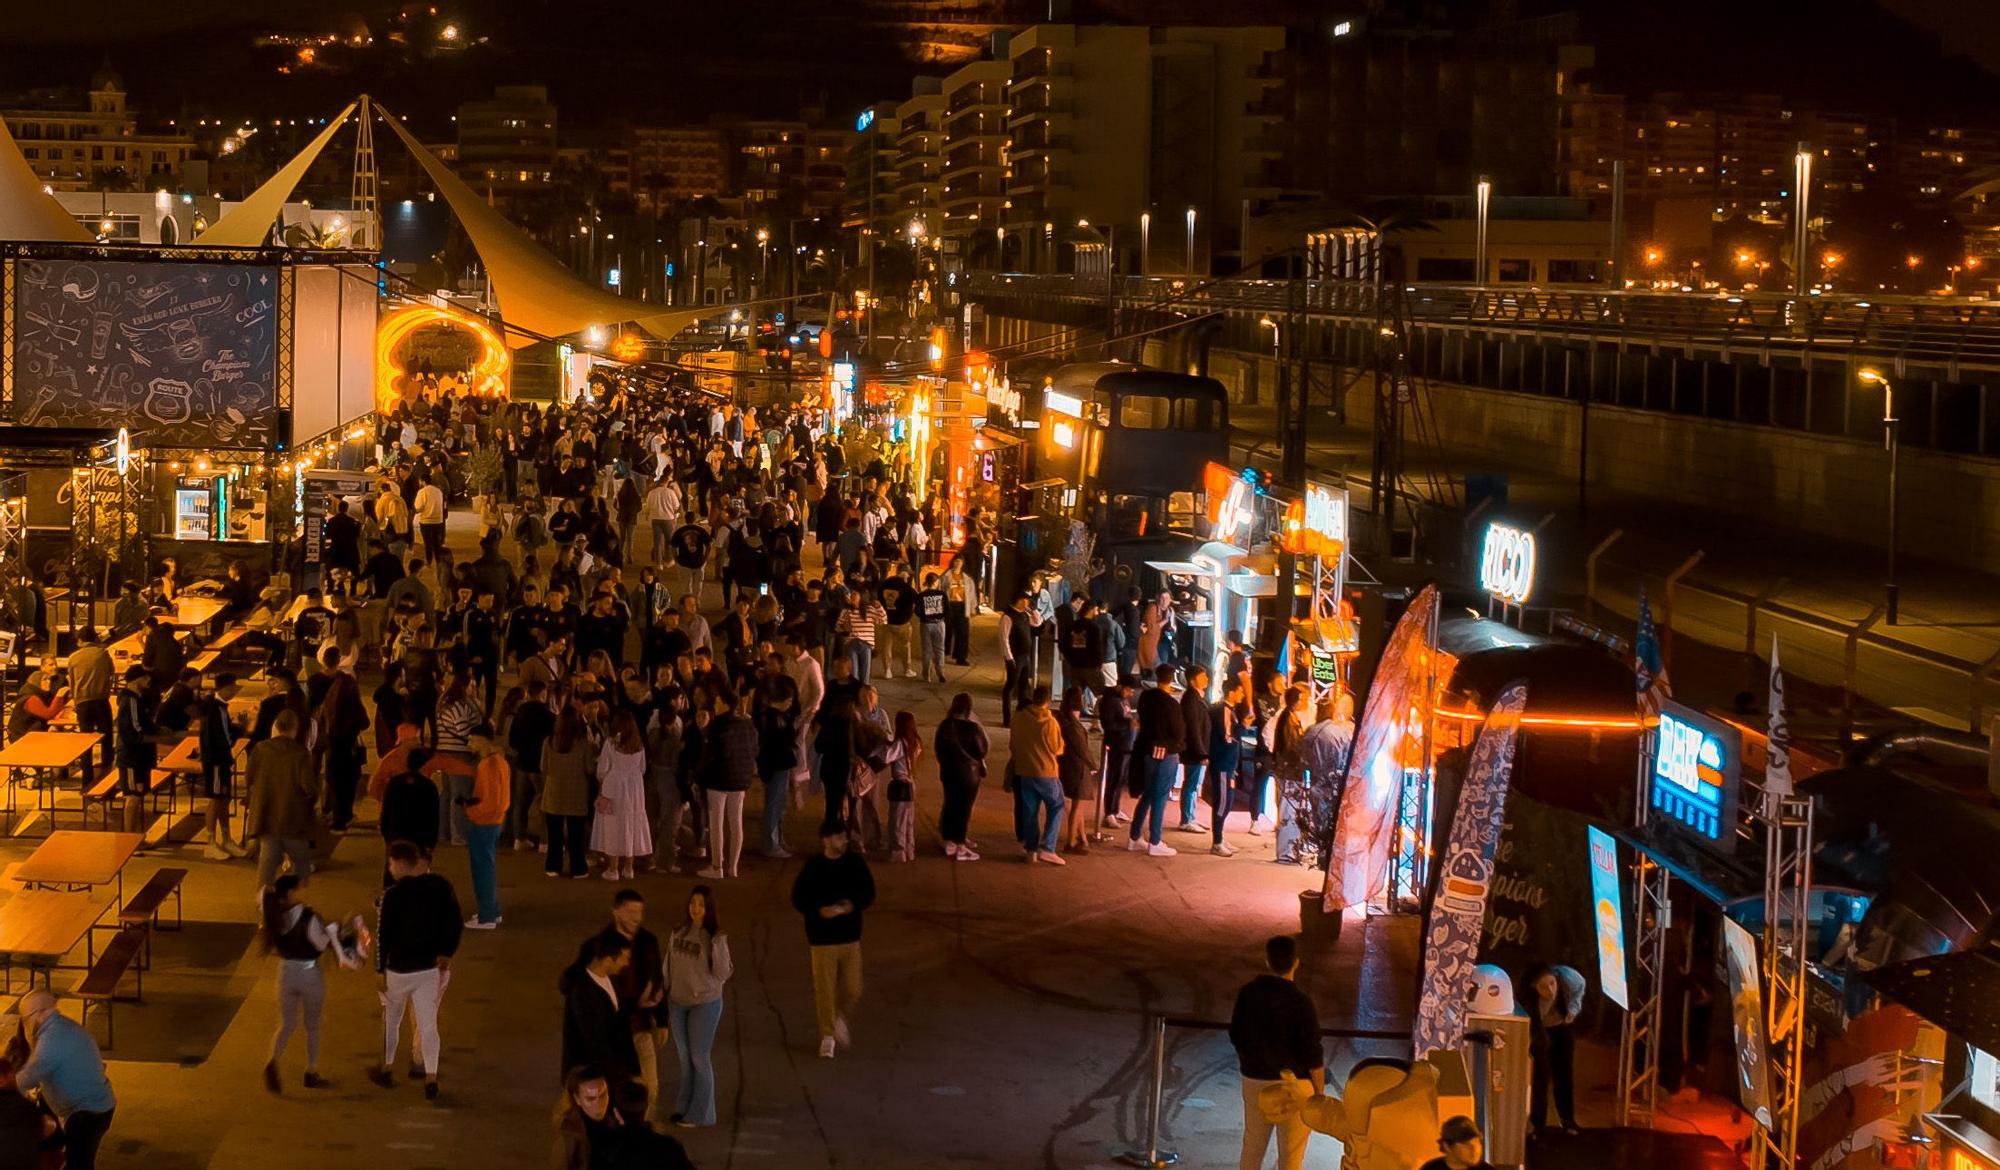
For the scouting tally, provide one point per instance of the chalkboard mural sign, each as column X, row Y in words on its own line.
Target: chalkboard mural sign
column 185, row 355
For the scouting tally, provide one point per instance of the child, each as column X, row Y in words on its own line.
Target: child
column 904, row 751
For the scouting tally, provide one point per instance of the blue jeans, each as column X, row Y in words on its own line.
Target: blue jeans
column 1191, row 791
column 693, row 1027
column 777, row 795
column 482, row 847
column 863, row 656
column 1031, row 794
column 1151, row 812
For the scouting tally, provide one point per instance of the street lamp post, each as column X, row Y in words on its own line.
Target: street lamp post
column 1190, row 241
column 1485, row 201
column 1801, row 209
column 1145, row 239
column 1890, row 443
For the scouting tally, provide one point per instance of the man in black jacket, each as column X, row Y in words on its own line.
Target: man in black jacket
column 416, row 935
column 641, row 992
column 594, row 1031
column 832, row 891
column 1194, row 753
column 1275, row 1030
column 1156, row 750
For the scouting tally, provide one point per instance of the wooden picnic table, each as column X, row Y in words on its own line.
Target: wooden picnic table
column 48, row 749
column 39, row 927
column 74, row 859
column 196, row 612
column 186, row 756
column 58, row 752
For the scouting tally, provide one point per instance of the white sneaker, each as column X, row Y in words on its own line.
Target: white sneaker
column 1051, row 858
column 1263, row 825
column 1162, row 850
column 214, row 852
column 1134, row 845
column 826, row 1048
column 473, row 923
column 1118, row 818
column 951, row 849
column 1193, row 827
column 1223, row 849
column 965, row 855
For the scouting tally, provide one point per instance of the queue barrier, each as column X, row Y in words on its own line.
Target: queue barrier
column 1153, row 1157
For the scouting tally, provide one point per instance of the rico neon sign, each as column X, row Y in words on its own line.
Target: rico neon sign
column 1507, row 564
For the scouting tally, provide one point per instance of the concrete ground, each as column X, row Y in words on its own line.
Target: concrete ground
column 1004, row 1020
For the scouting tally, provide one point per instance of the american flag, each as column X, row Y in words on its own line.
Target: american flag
column 1651, row 672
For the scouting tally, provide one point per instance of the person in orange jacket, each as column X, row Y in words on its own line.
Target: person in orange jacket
column 486, row 814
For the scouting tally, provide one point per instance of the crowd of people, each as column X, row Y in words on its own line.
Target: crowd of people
column 675, row 603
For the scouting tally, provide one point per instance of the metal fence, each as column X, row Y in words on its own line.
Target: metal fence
column 1957, row 339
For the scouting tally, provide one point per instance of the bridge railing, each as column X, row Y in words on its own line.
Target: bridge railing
column 1935, row 331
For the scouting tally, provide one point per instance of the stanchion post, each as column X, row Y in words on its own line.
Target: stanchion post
column 1153, row 1157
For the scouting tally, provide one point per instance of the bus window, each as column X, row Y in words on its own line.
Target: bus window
column 1194, row 414
column 1145, row 412
column 1129, row 517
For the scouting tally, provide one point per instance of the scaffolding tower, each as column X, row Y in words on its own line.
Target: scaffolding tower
column 364, row 212
column 1782, row 826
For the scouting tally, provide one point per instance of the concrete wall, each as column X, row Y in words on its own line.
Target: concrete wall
column 1811, row 483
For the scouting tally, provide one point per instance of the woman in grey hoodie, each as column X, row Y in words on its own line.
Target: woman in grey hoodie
column 697, row 971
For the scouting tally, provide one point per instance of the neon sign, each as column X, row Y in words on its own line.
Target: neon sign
column 1696, row 762
column 1317, row 525
column 1507, row 564
column 1063, row 434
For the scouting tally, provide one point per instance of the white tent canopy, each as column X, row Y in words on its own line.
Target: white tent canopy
column 27, row 212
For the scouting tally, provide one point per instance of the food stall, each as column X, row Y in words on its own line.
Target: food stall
column 1324, row 630
column 1228, row 580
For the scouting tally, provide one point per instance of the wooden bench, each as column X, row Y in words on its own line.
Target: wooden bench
column 99, row 985
column 168, row 781
column 103, row 794
column 228, row 638
column 141, row 912
column 205, row 661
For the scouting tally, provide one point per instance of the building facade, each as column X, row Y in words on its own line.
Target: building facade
column 673, row 164
column 95, row 145
column 507, row 143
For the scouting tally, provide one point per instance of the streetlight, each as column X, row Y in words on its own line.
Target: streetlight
column 1801, row 209
column 1485, row 199
column 1190, row 241
column 1890, row 443
column 1273, row 326
column 1145, row 239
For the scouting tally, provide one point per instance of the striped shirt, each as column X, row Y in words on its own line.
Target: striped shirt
column 860, row 624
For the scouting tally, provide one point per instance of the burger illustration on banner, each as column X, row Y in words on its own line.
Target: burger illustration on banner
column 1466, row 878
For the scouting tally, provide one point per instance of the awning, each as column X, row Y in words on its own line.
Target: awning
column 27, row 212
column 248, row 224
column 1181, row 568
column 1252, row 584
column 1957, row 992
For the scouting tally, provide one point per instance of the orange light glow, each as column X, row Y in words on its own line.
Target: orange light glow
column 1574, row 722
column 393, row 383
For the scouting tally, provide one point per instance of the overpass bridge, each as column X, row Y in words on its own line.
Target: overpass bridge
column 1768, row 360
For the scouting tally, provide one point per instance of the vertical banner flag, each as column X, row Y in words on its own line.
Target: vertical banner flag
column 1357, row 868
column 1746, row 1009
column 1606, row 901
column 1458, row 913
column 1778, row 751
column 1649, row 668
